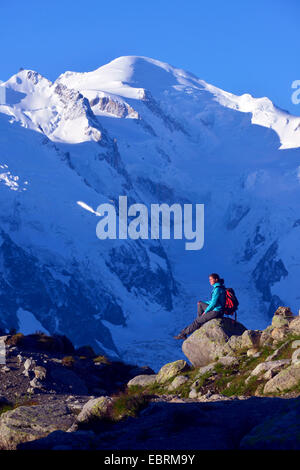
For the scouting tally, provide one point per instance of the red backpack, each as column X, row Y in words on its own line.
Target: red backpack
column 231, row 302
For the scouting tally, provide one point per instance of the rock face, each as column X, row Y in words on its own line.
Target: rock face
column 28, row 423
column 210, row 341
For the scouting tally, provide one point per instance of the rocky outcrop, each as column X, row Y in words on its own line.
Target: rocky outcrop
column 211, row 341
column 27, row 423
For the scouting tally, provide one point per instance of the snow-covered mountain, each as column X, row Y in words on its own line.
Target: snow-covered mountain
column 142, row 128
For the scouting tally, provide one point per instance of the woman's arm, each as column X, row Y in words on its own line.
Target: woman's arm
column 214, row 299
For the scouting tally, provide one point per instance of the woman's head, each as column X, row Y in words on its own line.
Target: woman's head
column 214, row 277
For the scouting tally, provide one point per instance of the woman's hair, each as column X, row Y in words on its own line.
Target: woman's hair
column 217, row 278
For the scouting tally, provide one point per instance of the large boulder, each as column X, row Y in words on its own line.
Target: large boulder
column 27, row 423
column 210, row 342
column 171, row 370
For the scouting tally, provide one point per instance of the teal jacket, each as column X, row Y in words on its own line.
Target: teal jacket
column 218, row 298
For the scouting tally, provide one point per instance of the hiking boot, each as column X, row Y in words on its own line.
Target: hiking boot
column 180, row 336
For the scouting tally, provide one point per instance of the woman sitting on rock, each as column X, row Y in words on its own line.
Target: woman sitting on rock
column 208, row 310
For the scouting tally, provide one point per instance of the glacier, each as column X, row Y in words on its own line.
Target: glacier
column 157, row 134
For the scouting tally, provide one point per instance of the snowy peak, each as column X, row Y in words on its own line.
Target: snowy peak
column 136, row 78
column 61, row 113
column 129, row 76
column 66, row 110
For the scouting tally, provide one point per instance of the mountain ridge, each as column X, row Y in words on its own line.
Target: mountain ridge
column 67, row 149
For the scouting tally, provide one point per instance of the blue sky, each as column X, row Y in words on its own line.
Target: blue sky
column 238, row 45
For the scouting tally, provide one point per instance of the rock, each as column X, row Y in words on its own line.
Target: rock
column 203, row 370
column 171, row 370
column 177, row 382
column 234, row 344
column 28, row 365
column 269, row 374
column 35, row 383
column 266, row 337
column 95, row 408
column 278, row 321
column 253, row 352
column 279, row 432
column 40, row 373
column 294, row 326
column 5, row 369
column 284, row 312
column 218, row 397
column 278, row 334
column 20, row 358
column 142, row 380
column 284, row 380
column 250, row 339
column 282, row 317
column 27, row 423
column 295, row 344
column 208, row 343
column 269, row 365
column 228, row 361
column 193, row 393
column 296, row 357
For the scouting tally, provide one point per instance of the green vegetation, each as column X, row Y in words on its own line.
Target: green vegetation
column 128, row 403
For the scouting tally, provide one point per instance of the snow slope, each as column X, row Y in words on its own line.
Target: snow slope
column 142, row 128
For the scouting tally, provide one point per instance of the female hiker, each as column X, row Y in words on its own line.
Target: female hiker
column 208, row 310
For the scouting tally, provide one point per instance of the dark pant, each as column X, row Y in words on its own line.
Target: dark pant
column 201, row 318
